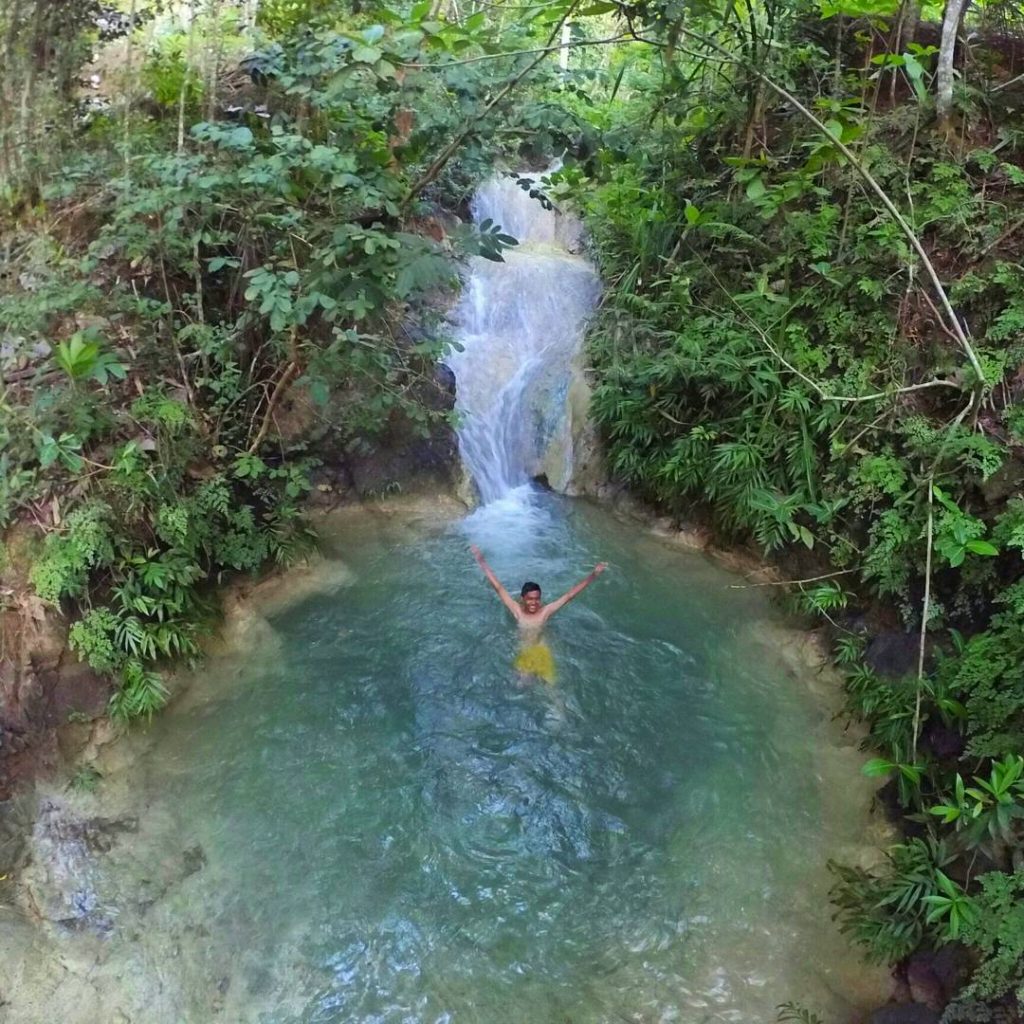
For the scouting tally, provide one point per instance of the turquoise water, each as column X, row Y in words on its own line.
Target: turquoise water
column 393, row 831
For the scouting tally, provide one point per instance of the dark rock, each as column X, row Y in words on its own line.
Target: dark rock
column 444, row 377
column 77, row 691
column 1008, row 479
column 965, row 869
column 392, row 469
column 951, row 965
column 904, row 1013
column 892, row 655
column 900, row 992
column 854, row 620
column 925, row 986
column 888, row 798
column 945, row 743
column 63, row 880
column 195, row 860
column 101, row 834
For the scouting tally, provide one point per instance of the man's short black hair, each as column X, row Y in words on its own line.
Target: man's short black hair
column 528, row 588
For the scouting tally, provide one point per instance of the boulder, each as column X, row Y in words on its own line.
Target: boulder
column 893, row 655
column 945, row 743
column 62, row 878
column 1007, row 480
column 924, row 983
column 76, row 690
column 949, row 967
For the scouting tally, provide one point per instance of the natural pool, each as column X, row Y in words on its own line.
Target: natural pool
column 362, row 818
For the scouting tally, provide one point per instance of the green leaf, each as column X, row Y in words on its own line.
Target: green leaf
column 915, row 72
column 249, row 466
column 941, row 496
column 982, row 547
column 219, row 262
column 835, row 127
column 48, row 451
column 366, row 54
column 238, row 138
column 319, row 392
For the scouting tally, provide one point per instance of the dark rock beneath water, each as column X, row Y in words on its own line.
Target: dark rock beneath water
column 904, row 1013
column 195, row 860
column 63, row 880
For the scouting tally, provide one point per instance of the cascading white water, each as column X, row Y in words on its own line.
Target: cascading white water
column 519, row 324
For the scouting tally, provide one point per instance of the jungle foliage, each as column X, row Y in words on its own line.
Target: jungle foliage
column 773, row 350
column 812, row 329
column 208, row 291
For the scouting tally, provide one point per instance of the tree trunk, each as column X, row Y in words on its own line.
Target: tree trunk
column 951, row 19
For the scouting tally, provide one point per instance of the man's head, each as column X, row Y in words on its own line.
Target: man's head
column 531, row 597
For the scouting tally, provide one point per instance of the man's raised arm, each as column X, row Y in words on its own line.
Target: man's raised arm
column 506, row 598
column 570, row 594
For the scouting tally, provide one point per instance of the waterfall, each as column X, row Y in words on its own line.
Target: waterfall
column 519, row 325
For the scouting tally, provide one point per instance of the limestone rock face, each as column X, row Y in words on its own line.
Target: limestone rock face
column 42, row 683
column 572, row 462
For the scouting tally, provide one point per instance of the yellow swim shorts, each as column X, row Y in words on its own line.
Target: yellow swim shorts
column 536, row 660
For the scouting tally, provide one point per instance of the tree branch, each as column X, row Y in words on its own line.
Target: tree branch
column 521, row 53
column 890, row 207
column 449, row 151
column 822, row 394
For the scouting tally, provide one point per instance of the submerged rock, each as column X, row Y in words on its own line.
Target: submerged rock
column 904, row 1013
column 61, row 880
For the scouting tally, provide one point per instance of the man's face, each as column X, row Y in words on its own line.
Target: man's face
column 531, row 602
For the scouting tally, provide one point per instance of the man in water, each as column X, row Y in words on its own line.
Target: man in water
column 531, row 614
